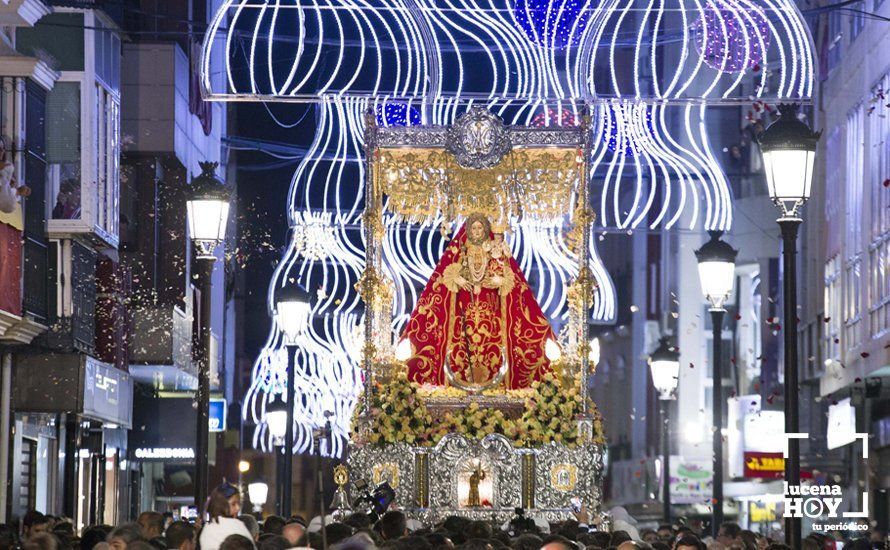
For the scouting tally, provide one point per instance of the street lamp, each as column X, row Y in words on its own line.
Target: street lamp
column 258, row 492
column 292, row 316
column 665, row 366
column 208, row 211
column 276, row 420
column 716, row 269
column 788, row 148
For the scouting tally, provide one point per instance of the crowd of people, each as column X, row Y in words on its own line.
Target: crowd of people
column 224, row 527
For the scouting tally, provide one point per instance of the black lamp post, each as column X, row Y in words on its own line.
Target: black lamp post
column 208, row 212
column 716, row 269
column 291, row 316
column 664, row 364
column 788, row 148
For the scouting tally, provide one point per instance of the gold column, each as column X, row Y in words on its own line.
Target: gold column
column 422, row 478
column 528, row 480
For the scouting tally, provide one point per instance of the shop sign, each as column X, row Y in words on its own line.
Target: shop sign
column 217, row 415
column 692, row 480
column 764, row 465
column 165, row 453
column 763, row 512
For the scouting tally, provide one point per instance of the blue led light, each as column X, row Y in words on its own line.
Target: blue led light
column 397, row 114
column 551, row 23
column 627, row 140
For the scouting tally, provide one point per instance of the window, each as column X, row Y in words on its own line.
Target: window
column 853, row 227
column 833, row 308
column 63, row 150
column 879, row 240
column 834, row 39
column 108, row 56
column 857, row 20
column 84, row 178
column 853, row 182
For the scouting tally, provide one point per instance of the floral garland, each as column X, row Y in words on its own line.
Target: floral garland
column 400, row 415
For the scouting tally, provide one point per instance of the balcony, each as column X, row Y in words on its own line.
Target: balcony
column 162, row 335
column 21, row 13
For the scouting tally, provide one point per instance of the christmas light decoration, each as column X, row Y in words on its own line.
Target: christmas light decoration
column 731, row 40
column 551, row 23
column 544, row 51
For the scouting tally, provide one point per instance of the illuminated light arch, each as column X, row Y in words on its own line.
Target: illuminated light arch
column 439, row 56
column 465, row 50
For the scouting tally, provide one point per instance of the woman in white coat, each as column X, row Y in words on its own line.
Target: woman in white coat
column 221, row 515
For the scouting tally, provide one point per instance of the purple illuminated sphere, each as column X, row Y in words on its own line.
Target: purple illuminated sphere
column 721, row 36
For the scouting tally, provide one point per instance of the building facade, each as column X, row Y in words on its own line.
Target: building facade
column 846, row 254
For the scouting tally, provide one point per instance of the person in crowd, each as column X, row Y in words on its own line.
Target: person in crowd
column 253, row 526
column 293, row 531
column 729, row 533
column 236, row 542
column 41, row 541
column 152, row 525
column 273, row 542
column 393, row 524
column 688, row 541
column 222, row 513
column 337, row 532
column 665, row 533
column 273, row 525
column 124, row 536
column 34, row 523
column 623, row 521
column 558, row 542
column 8, row 539
column 180, row 535
column 92, row 536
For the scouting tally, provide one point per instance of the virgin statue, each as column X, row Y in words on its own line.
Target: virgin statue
column 476, row 306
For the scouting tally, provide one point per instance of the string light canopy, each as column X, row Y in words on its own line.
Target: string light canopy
column 788, row 147
column 504, row 51
column 664, row 363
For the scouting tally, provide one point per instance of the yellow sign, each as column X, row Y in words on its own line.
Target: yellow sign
column 762, row 512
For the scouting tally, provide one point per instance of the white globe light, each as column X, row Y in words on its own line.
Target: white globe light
column 207, row 209
column 292, row 311
column 716, row 269
column 404, row 350
column 276, row 419
column 258, row 492
column 788, row 147
column 664, row 363
column 594, row 354
column 552, row 350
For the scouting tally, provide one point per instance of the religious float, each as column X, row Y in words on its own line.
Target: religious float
column 478, row 407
